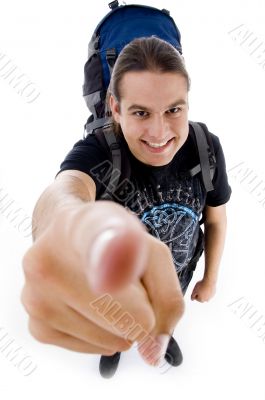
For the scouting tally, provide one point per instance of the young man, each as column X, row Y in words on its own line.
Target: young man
column 155, row 234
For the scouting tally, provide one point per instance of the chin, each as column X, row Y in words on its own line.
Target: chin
column 160, row 163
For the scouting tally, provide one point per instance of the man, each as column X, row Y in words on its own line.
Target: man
column 140, row 249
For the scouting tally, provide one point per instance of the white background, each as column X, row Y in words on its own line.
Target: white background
column 47, row 40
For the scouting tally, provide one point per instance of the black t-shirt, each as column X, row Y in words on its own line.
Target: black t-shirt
column 168, row 203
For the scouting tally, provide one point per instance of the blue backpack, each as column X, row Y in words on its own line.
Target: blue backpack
column 119, row 27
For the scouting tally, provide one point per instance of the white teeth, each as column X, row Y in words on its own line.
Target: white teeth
column 157, row 144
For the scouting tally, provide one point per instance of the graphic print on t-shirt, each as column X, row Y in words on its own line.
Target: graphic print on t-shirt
column 174, row 225
column 170, row 211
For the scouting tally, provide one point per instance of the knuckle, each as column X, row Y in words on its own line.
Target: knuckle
column 178, row 312
column 35, row 269
column 38, row 332
column 174, row 308
column 148, row 323
column 34, row 305
column 43, row 311
column 27, row 264
column 178, row 306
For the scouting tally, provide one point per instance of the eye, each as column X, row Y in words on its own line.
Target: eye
column 174, row 111
column 141, row 114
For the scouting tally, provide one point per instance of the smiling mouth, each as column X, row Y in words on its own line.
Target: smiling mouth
column 157, row 145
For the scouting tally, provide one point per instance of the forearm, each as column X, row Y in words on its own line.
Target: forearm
column 214, row 246
column 68, row 193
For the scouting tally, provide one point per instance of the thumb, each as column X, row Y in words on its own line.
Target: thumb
column 110, row 242
column 117, row 257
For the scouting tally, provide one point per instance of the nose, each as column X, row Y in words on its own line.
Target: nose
column 158, row 128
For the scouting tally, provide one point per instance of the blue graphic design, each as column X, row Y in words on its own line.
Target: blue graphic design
column 175, row 225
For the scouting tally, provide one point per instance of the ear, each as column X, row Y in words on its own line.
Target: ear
column 115, row 108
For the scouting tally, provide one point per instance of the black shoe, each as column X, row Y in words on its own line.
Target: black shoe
column 173, row 354
column 108, row 365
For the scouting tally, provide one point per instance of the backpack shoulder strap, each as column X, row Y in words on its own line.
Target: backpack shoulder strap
column 207, row 158
column 107, row 137
column 206, row 155
column 121, row 169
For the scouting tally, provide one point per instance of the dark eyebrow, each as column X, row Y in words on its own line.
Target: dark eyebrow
column 143, row 108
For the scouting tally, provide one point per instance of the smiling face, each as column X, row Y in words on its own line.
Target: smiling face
column 153, row 114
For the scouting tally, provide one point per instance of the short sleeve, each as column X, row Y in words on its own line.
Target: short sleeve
column 222, row 190
column 91, row 157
